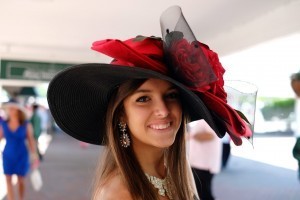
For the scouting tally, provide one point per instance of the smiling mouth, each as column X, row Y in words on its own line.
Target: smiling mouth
column 160, row 126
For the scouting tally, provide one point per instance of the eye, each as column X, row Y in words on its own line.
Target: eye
column 173, row 95
column 143, row 99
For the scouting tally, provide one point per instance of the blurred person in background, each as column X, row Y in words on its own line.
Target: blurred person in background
column 205, row 152
column 17, row 130
column 296, row 154
column 45, row 118
column 226, row 149
column 36, row 122
column 296, row 148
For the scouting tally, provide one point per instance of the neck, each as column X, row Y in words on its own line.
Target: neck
column 151, row 160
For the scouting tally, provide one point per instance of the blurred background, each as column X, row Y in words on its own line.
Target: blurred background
column 257, row 41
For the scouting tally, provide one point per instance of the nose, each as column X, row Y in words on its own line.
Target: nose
column 161, row 109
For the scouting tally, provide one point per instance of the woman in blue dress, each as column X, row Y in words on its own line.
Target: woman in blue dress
column 16, row 130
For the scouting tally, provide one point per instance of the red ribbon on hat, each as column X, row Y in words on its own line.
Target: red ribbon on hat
column 143, row 52
column 215, row 99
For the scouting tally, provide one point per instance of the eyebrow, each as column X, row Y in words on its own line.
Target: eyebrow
column 142, row 91
column 147, row 90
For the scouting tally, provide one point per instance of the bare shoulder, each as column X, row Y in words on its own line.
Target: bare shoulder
column 114, row 188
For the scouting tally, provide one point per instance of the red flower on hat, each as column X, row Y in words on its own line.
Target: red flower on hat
column 198, row 67
column 216, row 99
column 190, row 65
column 216, row 87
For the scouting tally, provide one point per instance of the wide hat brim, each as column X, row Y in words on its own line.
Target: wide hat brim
column 7, row 105
column 78, row 98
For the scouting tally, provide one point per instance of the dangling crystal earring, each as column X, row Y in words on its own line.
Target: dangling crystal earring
column 124, row 139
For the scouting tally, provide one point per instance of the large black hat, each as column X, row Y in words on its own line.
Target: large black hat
column 78, row 96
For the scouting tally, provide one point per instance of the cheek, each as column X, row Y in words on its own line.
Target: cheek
column 136, row 118
column 12, row 112
column 176, row 109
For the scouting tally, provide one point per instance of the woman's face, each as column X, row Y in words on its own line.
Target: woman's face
column 153, row 114
column 12, row 112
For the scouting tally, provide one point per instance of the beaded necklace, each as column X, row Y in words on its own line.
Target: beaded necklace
column 161, row 184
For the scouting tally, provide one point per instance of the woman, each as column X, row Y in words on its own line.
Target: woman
column 17, row 130
column 152, row 115
column 138, row 107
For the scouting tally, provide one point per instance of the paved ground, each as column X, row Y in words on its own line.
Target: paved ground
column 68, row 171
column 264, row 171
column 250, row 180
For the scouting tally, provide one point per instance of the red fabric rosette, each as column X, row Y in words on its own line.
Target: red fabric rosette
column 199, row 68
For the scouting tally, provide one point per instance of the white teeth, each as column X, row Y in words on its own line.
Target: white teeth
column 160, row 126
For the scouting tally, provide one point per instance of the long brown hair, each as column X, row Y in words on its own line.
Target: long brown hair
column 123, row 160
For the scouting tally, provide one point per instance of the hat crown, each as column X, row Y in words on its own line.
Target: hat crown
column 149, row 46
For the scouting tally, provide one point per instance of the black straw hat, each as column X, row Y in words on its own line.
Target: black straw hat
column 78, row 96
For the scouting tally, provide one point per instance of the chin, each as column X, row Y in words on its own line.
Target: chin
column 165, row 144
